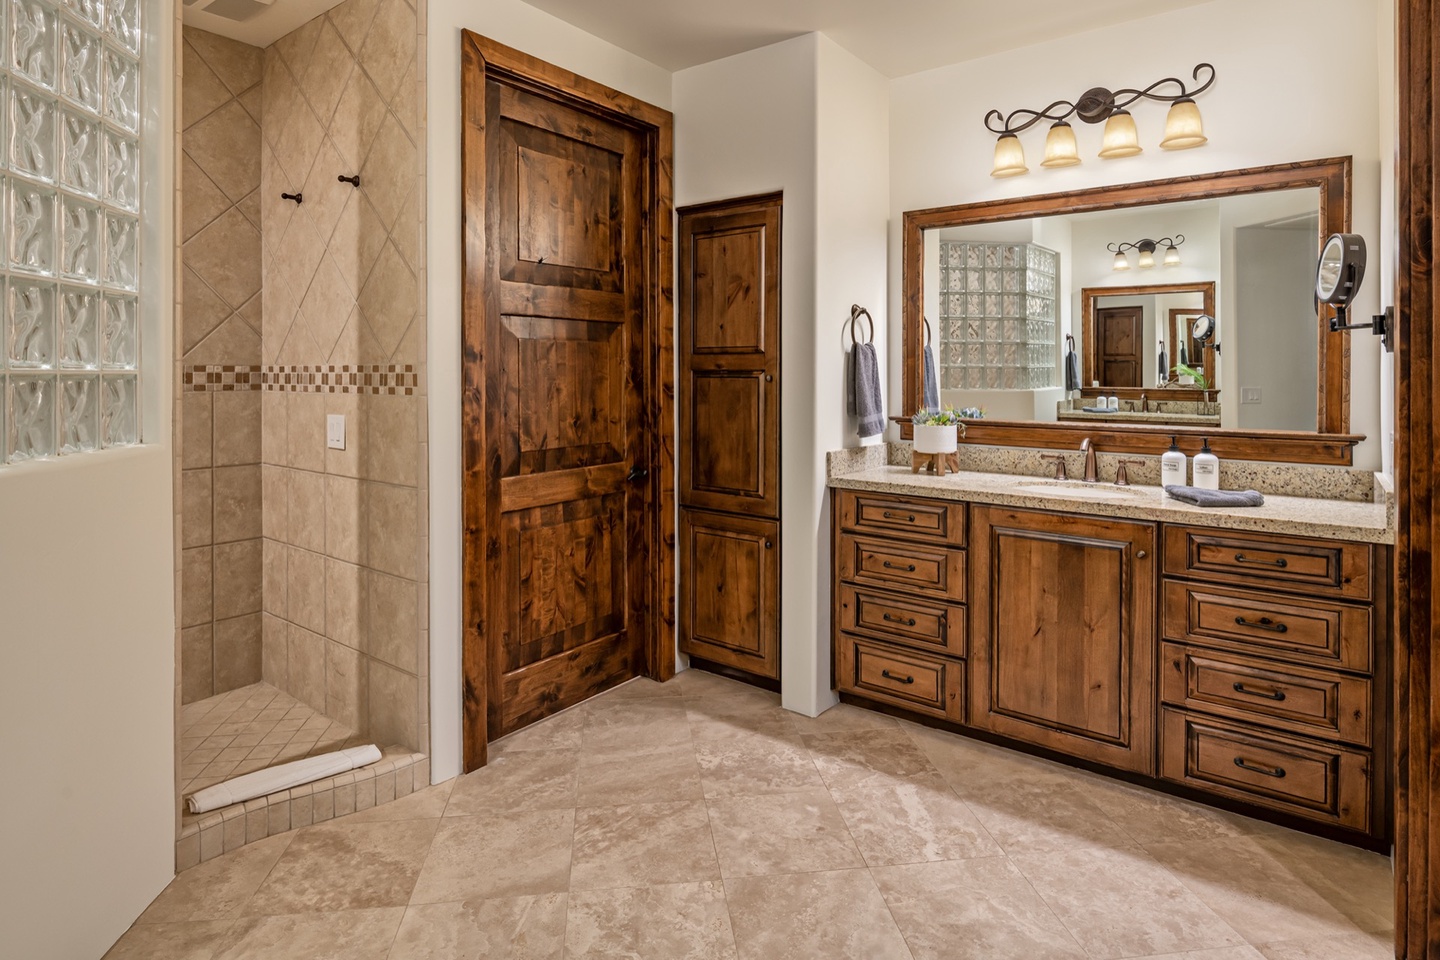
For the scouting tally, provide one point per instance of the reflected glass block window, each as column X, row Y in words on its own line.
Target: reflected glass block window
column 998, row 316
column 70, row 110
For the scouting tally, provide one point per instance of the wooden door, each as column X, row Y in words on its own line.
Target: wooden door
column 1119, row 332
column 1063, row 633
column 565, row 291
column 729, row 443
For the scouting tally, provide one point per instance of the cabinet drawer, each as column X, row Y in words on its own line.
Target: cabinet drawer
column 1329, row 568
column 1291, row 774
column 1298, row 699
column 1288, row 628
column 935, row 521
column 905, row 678
column 925, row 624
column 912, row 567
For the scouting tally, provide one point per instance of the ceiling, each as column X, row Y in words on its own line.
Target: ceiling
column 896, row 38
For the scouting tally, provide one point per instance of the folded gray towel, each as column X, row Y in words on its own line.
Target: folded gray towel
column 869, row 404
column 1072, row 370
column 932, row 383
column 1216, row 498
column 1098, row 410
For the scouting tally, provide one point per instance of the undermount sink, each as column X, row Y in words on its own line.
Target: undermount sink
column 1079, row 489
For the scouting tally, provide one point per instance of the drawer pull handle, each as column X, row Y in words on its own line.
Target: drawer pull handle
column 904, row 621
column 907, row 517
column 1277, row 695
column 1264, row 623
column 907, row 567
column 891, row 676
column 1277, row 562
column 1277, row 772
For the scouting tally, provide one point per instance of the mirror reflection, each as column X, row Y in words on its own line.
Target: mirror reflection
column 1007, row 303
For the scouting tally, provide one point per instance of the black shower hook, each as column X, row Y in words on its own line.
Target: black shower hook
column 353, row 181
column 299, row 198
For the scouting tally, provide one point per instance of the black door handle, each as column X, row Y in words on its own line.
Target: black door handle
column 895, row 676
column 1264, row 623
column 637, row 473
column 1277, row 772
column 1277, row 695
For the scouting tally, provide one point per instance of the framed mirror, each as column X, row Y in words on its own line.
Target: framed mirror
column 1011, row 288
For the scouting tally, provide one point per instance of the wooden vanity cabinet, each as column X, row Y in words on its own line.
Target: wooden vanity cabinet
column 1063, row 633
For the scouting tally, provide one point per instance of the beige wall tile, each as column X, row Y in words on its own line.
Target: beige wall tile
column 275, row 502
column 274, row 410
column 306, row 578
column 196, row 664
column 306, row 431
column 344, row 612
column 226, row 146
column 226, row 256
column 203, row 309
column 388, row 300
column 238, row 580
column 195, row 426
column 233, row 341
column 355, row 410
column 343, row 520
column 238, row 652
column 392, row 446
column 307, row 667
column 393, row 710
column 390, row 533
column 391, row 615
column 390, row 45
column 346, row 686
column 307, row 510
column 196, row 583
column 203, row 200
column 238, row 511
column 236, row 64
column 274, row 651
column 203, row 91
column 275, row 581
column 196, row 508
column 237, row 428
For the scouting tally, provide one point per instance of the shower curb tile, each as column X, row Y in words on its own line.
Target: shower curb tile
column 212, row 842
column 324, row 808
column 257, row 822
column 344, row 799
column 364, row 793
column 187, row 852
column 234, row 833
column 279, row 817
column 302, row 810
column 404, row 781
column 385, row 787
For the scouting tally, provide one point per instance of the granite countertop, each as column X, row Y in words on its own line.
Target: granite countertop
column 1362, row 521
column 1136, row 416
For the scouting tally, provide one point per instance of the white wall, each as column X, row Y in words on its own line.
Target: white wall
column 941, row 152
column 526, row 28
column 87, row 637
column 1272, row 278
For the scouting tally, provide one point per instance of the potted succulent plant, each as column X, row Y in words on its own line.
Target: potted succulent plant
column 938, row 431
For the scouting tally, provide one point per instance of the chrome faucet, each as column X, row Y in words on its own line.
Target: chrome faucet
column 1092, row 474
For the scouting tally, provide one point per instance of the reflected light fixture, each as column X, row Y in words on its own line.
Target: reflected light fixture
column 1183, row 125
column 1146, row 249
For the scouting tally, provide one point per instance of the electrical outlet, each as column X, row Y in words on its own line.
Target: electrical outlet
column 335, row 431
column 1250, row 395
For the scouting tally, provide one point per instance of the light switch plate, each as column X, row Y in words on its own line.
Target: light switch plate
column 335, row 431
column 1250, row 395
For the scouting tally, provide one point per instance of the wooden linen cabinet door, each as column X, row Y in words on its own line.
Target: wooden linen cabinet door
column 1063, row 633
column 729, row 438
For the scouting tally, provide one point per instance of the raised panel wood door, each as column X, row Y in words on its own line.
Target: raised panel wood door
column 1120, row 330
column 1063, row 634
column 729, row 439
column 565, row 418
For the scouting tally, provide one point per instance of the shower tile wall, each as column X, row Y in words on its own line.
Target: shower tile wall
column 344, row 551
column 221, row 325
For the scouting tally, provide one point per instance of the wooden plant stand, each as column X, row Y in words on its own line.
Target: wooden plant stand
column 934, row 462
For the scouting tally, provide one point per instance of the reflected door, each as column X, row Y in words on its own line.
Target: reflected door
column 1118, row 332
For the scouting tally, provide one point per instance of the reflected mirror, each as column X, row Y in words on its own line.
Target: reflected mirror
column 1008, row 302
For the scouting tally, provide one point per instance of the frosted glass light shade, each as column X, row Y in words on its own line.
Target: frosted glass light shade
column 1121, row 137
column 1183, row 127
column 1121, row 263
column 1172, row 256
column 1061, row 149
column 1009, row 157
column 1145, row 260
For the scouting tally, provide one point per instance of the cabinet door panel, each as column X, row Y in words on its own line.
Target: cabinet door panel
column 1063, row 639
column 731, row 608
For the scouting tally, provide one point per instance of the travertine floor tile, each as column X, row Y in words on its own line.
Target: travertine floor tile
column 755, row 766
column 344, row 935
column 651, row 775
column 170, row 941
column 1355, row 946
column 341, row 865
column 785, row 833
column 1046, row 812
column 813, row 916
column 1358, row 883
column 494, row 855
column 687, row 921
column 218, row 889
column 1148, row 816
column 843, row 717
column 719, row 718
column 519, row 928
column 870, row 758
column 519, row 780
column 973, row 910
column 642, row 845
column 627, row 724
column 912, row 823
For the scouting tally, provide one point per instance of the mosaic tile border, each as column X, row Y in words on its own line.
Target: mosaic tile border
column 374, row 379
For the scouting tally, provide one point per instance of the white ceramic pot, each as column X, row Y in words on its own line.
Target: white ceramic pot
column 930, row 438
column 1186, row 380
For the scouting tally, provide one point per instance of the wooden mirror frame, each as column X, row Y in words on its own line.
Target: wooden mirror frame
column 1331, row 444
column 1089, row 353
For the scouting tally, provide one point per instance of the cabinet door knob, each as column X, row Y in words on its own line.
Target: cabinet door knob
column 769, row 378
column 768, row 545
column 1141, row 554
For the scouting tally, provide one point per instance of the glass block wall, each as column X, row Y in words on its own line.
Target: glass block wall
column 998, row 316
column 70, row 193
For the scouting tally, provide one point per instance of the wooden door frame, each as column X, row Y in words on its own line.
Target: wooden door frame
column 483, row 59
column 1089, row 348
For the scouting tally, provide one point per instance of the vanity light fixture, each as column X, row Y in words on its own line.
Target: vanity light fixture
column 1183, row 125
column 1147, row 250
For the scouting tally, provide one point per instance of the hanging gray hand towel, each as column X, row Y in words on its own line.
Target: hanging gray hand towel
column 932, row 383
column 869, row 406
column 1216, row 498
column 1072, row 370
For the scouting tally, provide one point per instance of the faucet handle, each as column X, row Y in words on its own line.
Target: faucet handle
column 1059, row 464
column 1122, row 479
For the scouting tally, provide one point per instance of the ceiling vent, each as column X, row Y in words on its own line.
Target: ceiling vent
column 239, row 10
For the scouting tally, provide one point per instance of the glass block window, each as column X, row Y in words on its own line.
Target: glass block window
column 69, row 205
column 998, row 316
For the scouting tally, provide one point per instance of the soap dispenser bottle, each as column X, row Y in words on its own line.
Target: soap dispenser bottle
column 1172, row 466
column 1207, row 468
